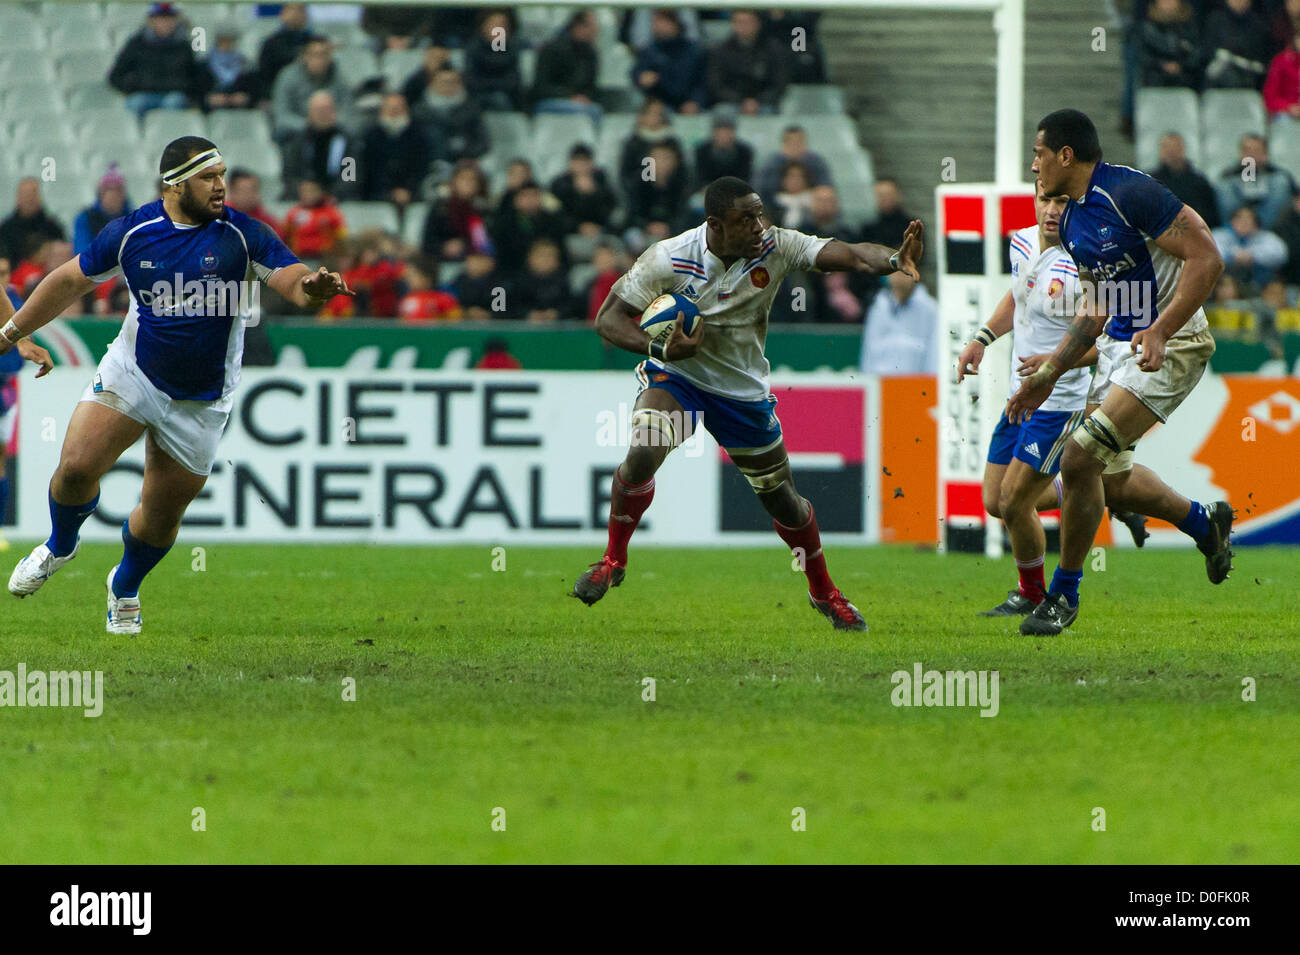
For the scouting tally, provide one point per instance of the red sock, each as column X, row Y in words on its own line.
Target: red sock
column 1032, row 584
column 808, row 538
column 627, row 502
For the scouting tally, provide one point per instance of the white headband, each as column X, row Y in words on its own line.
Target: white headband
column 191, row 166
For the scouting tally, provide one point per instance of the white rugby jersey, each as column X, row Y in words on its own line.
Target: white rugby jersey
column 1045, row 286
column 734, row 302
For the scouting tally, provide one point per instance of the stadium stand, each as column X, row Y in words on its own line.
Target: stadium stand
column 57, row 56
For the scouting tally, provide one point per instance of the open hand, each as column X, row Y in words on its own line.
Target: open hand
column 909, row 253
column 323, row 285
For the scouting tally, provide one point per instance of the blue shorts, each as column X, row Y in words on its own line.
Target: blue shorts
column 741, row 425
column 1038, row 442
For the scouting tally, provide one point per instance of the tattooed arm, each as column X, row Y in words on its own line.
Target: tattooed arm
column 1188, row 238
column 1079, row 339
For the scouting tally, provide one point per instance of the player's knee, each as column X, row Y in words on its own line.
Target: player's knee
column 76, row 470
column 1078, row 462
column 993, row 502
column 639, row 466
column 1016, row 497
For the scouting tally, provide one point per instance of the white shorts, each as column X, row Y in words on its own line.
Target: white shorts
column 1161, row 391
column 187, row 431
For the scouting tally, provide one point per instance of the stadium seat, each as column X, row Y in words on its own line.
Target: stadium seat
column 614, row 129
column 1239, row 110
column 369, row 215
column 41, row 101
column 70, row 32
column 256, row 154
column 812, row 99
column 345, row 36
column 539, row 24
column 161, row 126
column 252, row 34
column 827, row 132
column 94, row 95
column 96, row 125
column 1160, row 110
column 580, row 278
column 692, row 130
column 615, row 69
column 23, row 33
column 713, row 32
column 1284, row 147
column 142, row 187
column 510, row 133
column 413, row 223
column 527, row 67
column 238, row 124
column 1226, row 116
column 357, row 64
column 83, row 65
column 397, row 65
column 762, row 132
column 23, row 65
column 554, row 134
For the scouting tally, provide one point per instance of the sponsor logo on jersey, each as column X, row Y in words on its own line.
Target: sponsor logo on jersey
column 690, row 292
column 1032, row 448
column 760, row 277
column 146, row 264
column 661, row 376
column 98, row 385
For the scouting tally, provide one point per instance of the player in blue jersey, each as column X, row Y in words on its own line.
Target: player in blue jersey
column 1147, row 263
column 190, row 264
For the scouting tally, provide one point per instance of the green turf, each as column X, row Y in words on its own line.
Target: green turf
column 479, row 689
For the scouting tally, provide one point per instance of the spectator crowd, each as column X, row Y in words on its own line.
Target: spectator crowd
column 486, row 236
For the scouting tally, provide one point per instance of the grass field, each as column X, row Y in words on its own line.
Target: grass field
column 478, row 689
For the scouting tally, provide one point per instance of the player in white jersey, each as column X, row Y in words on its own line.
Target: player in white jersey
column 168, row 376
column 1021, row 476
column 731, row 266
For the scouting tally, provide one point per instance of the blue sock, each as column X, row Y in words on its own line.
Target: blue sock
column 138, row 558
column 1066, row 582
column 4, row 496
column 65, row 521
column 1197, row 522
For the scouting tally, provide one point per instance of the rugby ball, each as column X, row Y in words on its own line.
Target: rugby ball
column 660, row 316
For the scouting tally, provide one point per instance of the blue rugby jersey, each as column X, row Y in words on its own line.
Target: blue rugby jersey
column 1112, row 233
column 190, row 346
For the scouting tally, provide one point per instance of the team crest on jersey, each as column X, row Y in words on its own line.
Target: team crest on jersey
column 1104, row 232
column 1055, row 288
column 209, row 261
column 1029, row 285
column 760, row 277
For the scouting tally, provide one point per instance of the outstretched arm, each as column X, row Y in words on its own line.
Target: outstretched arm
column 306, row 288
column 48, row 300
column 837, row 256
